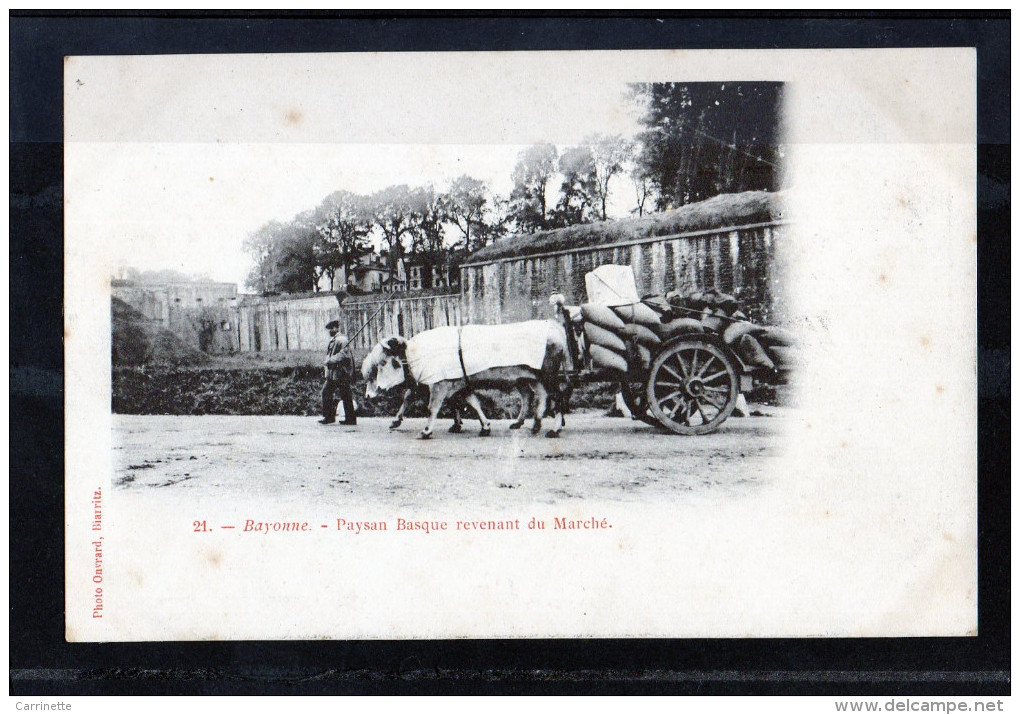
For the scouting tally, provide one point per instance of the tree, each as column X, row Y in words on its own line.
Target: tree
column 577, row 165
column 587, row 170
column 702, row 139
column 284, row 258
column 428, row 214
column 466, row 204
column 392, row 209
column 535, row 166
column 262, row 247
column 497, row 222
column 643, row 190
column 609, row 154
column 343, row 223
column 306, row 248
column 427, row 231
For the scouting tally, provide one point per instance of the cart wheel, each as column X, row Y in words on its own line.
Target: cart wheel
column 692, row 387
column 636, row 398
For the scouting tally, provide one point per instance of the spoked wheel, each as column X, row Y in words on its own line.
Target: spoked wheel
column 635, row 396
column 692, row 387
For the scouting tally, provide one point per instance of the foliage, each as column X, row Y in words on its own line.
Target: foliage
column 392, row 210
column 587, row 170
column 704, row 139
column 343, row 221
column 466, row 203
column 535, row 167
column 428, row 249
column 700, row 140
column 136, row 340
column 644, row 191
column 498, row 221
column 577, row 165
column 609, row 156
column 426, row 224
column 284, row 257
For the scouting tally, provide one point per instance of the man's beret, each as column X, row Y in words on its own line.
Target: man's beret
column 333, row 324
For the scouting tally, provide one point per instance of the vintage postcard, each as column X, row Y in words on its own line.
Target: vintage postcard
column 669, row 344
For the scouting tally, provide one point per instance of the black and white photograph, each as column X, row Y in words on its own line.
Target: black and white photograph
column 660, row 344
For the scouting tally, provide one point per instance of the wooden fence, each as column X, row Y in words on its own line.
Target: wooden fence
column 401, row 316
column 271, row 324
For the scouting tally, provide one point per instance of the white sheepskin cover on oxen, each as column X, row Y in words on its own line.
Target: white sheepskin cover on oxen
column 432, row 356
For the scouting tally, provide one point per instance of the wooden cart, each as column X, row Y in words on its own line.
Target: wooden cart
column 690, row 385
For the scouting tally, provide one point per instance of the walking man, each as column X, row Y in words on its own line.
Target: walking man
column 339, row 372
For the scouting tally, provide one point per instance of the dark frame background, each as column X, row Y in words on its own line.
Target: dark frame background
column 42, row 663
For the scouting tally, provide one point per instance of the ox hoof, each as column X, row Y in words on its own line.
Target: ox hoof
column 425, row 435
column 456, row 428
column 485, row 432
column 516, row 425
column 536, row 429
column 395, row 423
column 553, row 433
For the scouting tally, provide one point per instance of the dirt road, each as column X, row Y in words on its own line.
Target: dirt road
column 293, row 459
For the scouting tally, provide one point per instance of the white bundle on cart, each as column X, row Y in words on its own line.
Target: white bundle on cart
column 621, row 330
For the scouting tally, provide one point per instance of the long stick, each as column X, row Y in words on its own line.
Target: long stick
column 370, row 319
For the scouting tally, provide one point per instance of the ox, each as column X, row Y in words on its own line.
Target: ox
column 393, row 346
column 396, row 362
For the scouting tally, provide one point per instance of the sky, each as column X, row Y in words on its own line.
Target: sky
column 190, row 206
column 167, row 173
column 172, row 161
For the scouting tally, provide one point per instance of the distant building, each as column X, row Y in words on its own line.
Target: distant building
column 395, row 282
column 430, row 273
column 159, row 301
column 201, row 313
column 370, row 275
